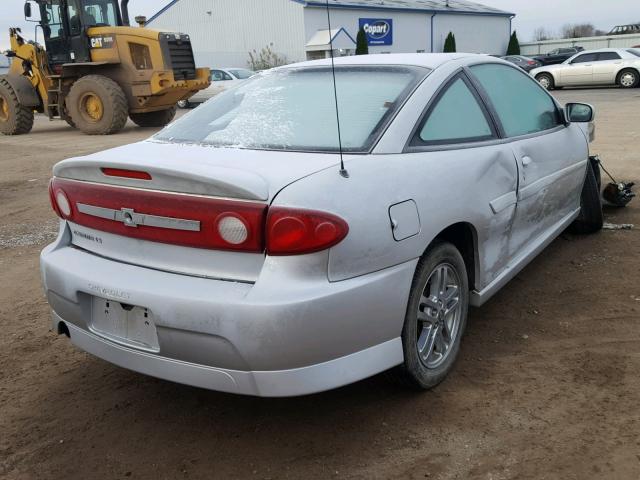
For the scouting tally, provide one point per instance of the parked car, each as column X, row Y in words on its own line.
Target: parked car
column 235, row 252
column 221, row 79
column 607, row 66
column 525, row 63
column 558, row 55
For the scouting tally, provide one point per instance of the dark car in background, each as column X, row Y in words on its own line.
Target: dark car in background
column 558, row 55
column 525, row 63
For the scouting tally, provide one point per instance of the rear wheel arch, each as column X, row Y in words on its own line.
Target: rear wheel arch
column 464, row 237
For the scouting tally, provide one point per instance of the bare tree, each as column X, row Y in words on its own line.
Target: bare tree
column 541, row 33
column 578, row 30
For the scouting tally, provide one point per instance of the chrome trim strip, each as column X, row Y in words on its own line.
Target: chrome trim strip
column 134, row 219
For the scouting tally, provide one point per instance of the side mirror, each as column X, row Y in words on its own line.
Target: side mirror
column 27, row 10
column 579, row 112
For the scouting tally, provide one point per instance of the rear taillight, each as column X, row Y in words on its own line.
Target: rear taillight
column 295, row 232
column 195, row 220
column 59, row 201
column 165, row 217
column 531, row 62
column 52, row 199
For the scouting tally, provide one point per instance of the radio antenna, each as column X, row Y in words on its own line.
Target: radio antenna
column 343, row 171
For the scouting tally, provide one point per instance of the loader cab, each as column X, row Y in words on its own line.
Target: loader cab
column 65, row 23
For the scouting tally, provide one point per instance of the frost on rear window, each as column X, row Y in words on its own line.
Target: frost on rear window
column 295, row 109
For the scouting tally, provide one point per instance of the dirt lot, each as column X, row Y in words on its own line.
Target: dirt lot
column 546, row 386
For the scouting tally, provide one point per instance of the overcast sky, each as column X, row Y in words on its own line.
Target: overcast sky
column 551, row 14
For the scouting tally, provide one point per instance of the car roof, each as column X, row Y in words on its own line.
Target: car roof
column 599, row 50
column 428, row 60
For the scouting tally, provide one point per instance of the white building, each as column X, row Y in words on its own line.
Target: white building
column 223, row 32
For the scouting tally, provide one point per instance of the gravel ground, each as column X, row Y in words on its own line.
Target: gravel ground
column 546, row 385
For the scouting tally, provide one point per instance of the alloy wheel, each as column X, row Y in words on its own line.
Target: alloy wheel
column 439, row 315
column 628, row 79
column 545, row 82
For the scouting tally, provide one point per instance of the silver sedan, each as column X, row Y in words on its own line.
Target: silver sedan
column 608, row 66
column 254, row 247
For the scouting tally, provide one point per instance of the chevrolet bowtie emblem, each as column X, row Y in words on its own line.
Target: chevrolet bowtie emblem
column 128, row 217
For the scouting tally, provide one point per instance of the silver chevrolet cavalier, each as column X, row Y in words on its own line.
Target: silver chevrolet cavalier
column 253, row 247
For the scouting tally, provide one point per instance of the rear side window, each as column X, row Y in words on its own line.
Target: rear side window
column 523, row 106
column 456, row 117
column 608, row 56
column 587, row 57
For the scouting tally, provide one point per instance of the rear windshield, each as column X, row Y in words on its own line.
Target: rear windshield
column 295, row 109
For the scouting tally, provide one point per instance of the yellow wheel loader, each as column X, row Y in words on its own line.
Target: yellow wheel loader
column 96, row 71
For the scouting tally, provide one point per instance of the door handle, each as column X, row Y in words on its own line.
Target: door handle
column 526, row 161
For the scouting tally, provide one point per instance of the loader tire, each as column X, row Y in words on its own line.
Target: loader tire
column 97, row 105
column 15, row 119
column 154, row 119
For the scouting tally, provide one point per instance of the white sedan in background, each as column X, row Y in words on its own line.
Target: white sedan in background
column 607, row 66
column 221, row 79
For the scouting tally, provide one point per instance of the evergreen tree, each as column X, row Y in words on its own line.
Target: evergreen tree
column 450, row 43
column 514, row 45
column 362, row 46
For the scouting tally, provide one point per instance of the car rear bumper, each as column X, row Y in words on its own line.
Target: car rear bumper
column 266, row 339
column 280, row 383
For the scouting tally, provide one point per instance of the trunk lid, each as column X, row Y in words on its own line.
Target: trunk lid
column 190, row 186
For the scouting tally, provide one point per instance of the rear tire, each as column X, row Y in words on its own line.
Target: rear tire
column 154, row 119
column 546, row 81
column 436, row 318
column 15, row 119
column 591, row 218
column 97, row 105
column 628, row 78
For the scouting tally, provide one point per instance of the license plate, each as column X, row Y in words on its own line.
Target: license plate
column 128, row 324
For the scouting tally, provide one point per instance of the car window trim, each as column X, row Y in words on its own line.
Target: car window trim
column 415, row 143
column 485, row 96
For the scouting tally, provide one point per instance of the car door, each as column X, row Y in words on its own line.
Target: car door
column 462, row 173
column 551, row 156
column 579, row 71
column 605, row 68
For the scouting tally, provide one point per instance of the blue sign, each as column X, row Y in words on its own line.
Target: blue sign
column 379, row 31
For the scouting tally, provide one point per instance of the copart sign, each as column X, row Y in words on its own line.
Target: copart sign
column 379, row 31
